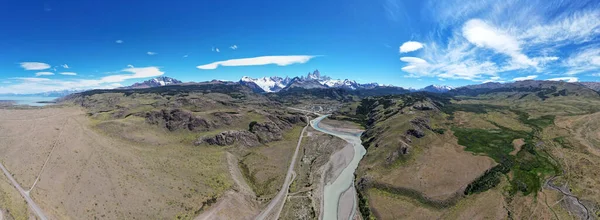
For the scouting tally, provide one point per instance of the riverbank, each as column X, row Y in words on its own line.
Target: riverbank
column 333, row 192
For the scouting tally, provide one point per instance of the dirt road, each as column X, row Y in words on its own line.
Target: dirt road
column 279, row 200
column 36, row 209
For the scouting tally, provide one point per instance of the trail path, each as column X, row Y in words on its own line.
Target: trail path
column 36, row 209
column 279, row 200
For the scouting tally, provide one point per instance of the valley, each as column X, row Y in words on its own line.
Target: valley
column 220, row 150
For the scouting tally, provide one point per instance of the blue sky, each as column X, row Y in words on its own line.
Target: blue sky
column 55, row 45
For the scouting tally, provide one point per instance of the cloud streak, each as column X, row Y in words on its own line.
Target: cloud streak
column 28, row 85
column 565, row 79
column 44, row 74
column 35, row 66
column 259, row 61
column 525, row 78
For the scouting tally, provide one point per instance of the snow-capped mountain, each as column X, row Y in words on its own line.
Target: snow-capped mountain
column 310, row 81
column 156, row 82
column 267, row 84
column 437, row 88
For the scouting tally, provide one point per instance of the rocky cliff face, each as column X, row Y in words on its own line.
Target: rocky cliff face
column 258, row 132
column 177, row 119
column 226, row 138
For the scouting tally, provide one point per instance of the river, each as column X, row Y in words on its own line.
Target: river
column 333, row 191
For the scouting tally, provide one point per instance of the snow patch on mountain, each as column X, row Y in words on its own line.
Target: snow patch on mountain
column 268, row 84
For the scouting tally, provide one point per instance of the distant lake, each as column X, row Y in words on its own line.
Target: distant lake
column 28, row 100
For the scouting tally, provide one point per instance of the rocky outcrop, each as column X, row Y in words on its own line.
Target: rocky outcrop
column 421, row 123
column 424, row 106
column 416, row 132
column 402, row 150
column 267, row 131
column 244, row 138
column 258, row 132
column 226, row 118
column 177, row 119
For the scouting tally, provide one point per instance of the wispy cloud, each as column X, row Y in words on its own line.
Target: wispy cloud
column 119, row 41
column 583, row 61
column 68, row 73
column 44, row 74
column 185, row 56
column 257, row 61
column 566, row 79
column 34, row 84
column 410, row 46
column 32, row 79
column 525, row 78
column 234, row 47
column 35, row 66
column 151, row 53
column 486, row 38
column 65, row 66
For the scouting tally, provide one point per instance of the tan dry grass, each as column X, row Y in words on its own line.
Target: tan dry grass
column 90, row 175
column 517, row 144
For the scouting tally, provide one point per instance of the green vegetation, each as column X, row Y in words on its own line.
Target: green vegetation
column 496, row 143
column 563, row 142
column 529, row 165
column 488, row 180
column 416, row 195
column 538, row 123
column 363, row 206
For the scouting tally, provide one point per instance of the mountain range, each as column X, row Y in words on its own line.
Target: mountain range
column 156, row 82
column 312, row 80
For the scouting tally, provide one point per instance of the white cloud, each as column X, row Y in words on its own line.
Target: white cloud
column 44, row 74
column 151, row 53
column 217, row 50
column 566, row 79
column 536, row 36
column 410, row 46
column 143, row 72
column 257, row 61
column 34, row 66
column 578, row 28
column 65, row 66
column 585, row 60
column 525, row 78
column 27, row 85
column 129, row 66
column 484, row 35
column 234, row 47
column 185, row 56
column 119, row 41
column 68, row 73
column 32, row 79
